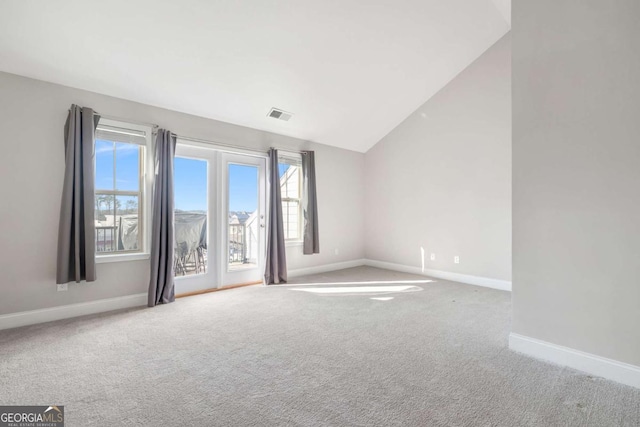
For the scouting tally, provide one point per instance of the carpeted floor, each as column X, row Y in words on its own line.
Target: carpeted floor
column 404, row 353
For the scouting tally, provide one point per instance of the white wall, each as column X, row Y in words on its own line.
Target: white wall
column 32, row 116
column 576, row 163
column 441, row 180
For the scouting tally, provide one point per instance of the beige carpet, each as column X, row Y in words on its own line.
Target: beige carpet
column 409, row 353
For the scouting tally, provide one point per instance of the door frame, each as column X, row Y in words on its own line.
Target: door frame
column 207, row 280
column 217, row 188
column 242, row 275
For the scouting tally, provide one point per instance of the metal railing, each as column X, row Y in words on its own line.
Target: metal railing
column 107, row 241
column 237, row 244
column 106, row 238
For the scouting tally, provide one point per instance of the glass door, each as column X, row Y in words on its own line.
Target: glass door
column 243, row 210
column 219, row 220
column 194, row 186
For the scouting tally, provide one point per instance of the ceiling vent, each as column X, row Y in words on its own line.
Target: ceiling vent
column 279, row 114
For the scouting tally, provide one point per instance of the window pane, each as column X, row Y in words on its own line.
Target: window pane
column 290, row 181
column 243, row 216
column 291, row 219
column 104, row 165
column 119, row 192
column 282, row 168
column 127, row 166
column 126, row 225
column 105, row 228
column 190, row 188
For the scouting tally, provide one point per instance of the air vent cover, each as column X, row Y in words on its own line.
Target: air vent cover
column 276, row 113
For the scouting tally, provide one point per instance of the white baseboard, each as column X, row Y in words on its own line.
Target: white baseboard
column 31, row 317
column 326, row 268
column 503, row 285
column 590, row 363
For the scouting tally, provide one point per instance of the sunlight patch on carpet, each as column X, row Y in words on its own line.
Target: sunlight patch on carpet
column 359, row 290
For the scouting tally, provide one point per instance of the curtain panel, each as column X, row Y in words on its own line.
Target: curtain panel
column 276, row 262
column 311, row 240
column 161, row 284
column 76, row 232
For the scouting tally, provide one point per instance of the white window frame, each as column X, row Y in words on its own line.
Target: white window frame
column 146, row 188
column 294, row 159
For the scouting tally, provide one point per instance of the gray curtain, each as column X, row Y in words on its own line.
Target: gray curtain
column 276, row 266
column 161, row 285
column 76, row 233
column 311, row 244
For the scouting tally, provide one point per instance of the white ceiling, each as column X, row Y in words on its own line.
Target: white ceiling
column 350, row 70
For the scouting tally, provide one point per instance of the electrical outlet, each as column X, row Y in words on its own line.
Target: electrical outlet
column 433, row 257
column 337, row 251
column 63, row 287
column 456, row 259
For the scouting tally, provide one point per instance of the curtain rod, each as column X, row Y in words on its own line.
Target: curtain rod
column 155, row 127
column 235, row 147
column 220, row 144
column 119, row 119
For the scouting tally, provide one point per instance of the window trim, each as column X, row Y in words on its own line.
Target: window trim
column 121, row 257
column 294, row 159
column 146, row 189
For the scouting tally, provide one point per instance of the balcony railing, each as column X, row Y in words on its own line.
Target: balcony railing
column 106, row 238
column 237, row 244
column 190, row 257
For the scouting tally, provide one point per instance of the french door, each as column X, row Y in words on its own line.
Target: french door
column 243, row 208
column 219, row 218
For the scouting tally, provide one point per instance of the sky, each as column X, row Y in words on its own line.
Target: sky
column 190, row 184
column 127, row 176
column 190, row 178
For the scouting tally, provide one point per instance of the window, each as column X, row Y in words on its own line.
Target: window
column 120, row 162
column 291, row 192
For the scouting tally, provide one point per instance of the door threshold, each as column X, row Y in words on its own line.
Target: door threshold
column 224, row 288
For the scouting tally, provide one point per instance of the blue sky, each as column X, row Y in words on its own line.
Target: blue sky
column 127, row 161
column 191, row 189
column 190, row 177
column 190, row 180
column 190, row 184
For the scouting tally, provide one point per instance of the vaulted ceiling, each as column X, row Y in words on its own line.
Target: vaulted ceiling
column 349, row 70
